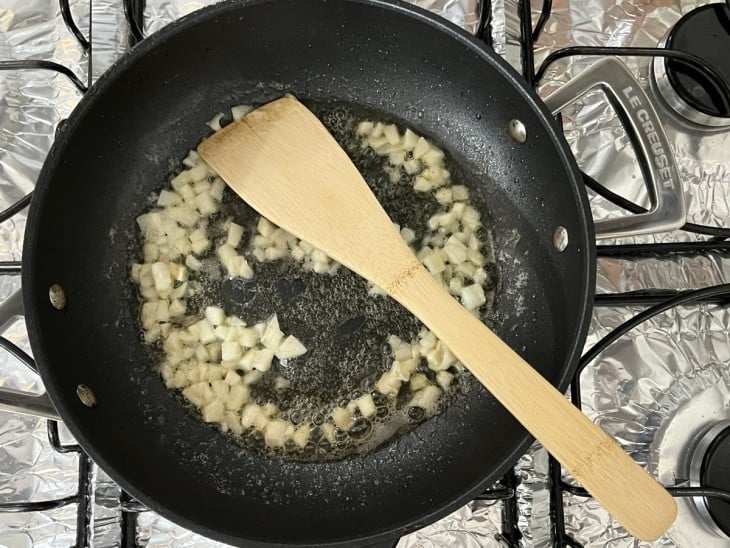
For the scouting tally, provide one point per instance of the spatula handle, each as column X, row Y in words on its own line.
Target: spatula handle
column 634, row 498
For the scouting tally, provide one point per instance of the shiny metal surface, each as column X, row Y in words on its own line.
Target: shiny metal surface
column 662, row 383
column 695, row 473
column 594, row 131
column 464, row 13
column 560, row 238
column 517, row 131
column 663, row 184
column 11, row 310
column 680, row 106
column 31, row 105
column 655, row 390
column 11, row 399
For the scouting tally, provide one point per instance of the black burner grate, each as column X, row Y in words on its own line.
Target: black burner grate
column 656, row 301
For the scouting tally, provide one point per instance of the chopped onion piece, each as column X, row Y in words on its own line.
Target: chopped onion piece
column 151, row 253
column 476, row 257
column 263, row 359
column 291, row 347
column 391, row 134
column 199, row 394
column 280, row 383
column 396, row 158
column 377, row 142
column 252, row 414
column 239, row 111
column 215, row 315
column 181, row 179
column 422, row 184
column 247, row 337
column 215, row 122
column 168, row 198
column 427, row 342
column 433, row 158
column 252, row 377
column 365, row 128
column 422, row 147
column 199, row 172
column 161, row 276
column 201, row 186
column 366, row 405
column 233, row 422
column 205, row 204
column 455, row 286
column 434, row 262
column 274, row 254
column 235, row 233
column 388, row 384
column 272, row 335
column 471, row 218
column 377, row 129
column 459, row 193
column 328, row 429
column 456, row 252
column 301, row 435
column 375, row 290
column 418, row 381
column 238, row 396
column 466, row 268
column 192, row 262
column 426, row 398
column 408, row 235
column 472, row 296
column 412, row 166
column 264, row 227
column 410, row 140
column 191, row 159
column 231, row 351
column 183, row 215
column 448, row 358
column 341, row 417
column 444, row 196
column 216, row 189
column 214, row 411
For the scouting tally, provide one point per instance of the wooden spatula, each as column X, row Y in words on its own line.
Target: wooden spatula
column 284, row 163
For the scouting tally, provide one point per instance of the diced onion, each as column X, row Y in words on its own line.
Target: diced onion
column 215, row 122
column 342, row 417
column 214, row 358
column 291, row 347
column 240, row 111
column 425, row 398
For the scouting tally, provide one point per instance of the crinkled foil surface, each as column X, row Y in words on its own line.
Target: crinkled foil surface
column 654, row 390
column 31, row 105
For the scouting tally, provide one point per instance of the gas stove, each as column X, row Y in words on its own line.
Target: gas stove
column 656, row 369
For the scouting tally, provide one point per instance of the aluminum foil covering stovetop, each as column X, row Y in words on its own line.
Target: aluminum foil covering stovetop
column 650, row 392
column 31, row 104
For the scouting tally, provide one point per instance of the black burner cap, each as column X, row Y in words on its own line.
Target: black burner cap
column 704, row 32
column 715, row 472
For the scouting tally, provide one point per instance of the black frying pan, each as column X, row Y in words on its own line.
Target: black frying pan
column 141, row 118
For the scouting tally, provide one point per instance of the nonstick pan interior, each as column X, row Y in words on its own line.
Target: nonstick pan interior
column 123, row 142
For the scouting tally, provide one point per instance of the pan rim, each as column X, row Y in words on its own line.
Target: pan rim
column 33, row 300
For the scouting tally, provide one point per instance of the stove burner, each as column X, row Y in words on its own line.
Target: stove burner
column 704, row 32
column 710, row 466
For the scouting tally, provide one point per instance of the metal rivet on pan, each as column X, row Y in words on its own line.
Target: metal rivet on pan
column 560, row 238
column 517, row 131
column 86, row 395
column 57, row 296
